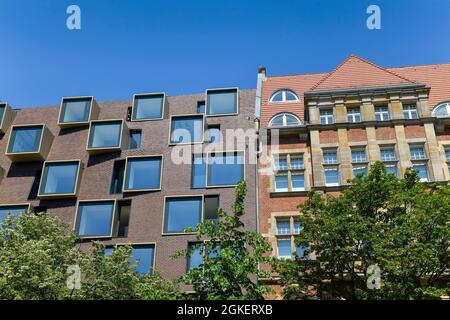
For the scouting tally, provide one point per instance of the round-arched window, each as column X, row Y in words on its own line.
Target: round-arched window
column 284, row 95
column 284, row 120
column 442, row 110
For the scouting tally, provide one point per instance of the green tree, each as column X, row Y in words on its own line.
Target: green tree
column 231, row 257
column 37, row 253
column 399, row 225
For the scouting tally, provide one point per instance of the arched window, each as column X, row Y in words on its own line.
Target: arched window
column 284, row 120
column 442, row 110
column 284, row 96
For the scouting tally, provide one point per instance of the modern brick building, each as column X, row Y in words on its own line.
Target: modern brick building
column 319, row 130
column 121, row 171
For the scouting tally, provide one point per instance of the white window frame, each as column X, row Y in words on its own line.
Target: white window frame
column 356, row 155
column 332, row 184
column 284, row 114
column 283, row 96
column 352, row 114
column 328, row 116
column 445, row 105
column 409, row 110
column 384, row 113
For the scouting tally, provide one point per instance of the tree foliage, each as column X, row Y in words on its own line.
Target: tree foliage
column 231, row 257
column 399, row 225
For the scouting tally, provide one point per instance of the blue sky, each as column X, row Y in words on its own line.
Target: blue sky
column 181, row 47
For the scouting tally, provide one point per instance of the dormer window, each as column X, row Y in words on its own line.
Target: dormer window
column 442, row 110
column 284, row 120
column 284, row 96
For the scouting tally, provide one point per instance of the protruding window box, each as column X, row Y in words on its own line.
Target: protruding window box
column 15, row 209
column 143, row 173
column 29, row 143
column 186, row 129
column 149, row 106
column 60, row 179
column 77, row 111
column 222, row 102
column 96, row 219
column 106, row 136
column 6, row 117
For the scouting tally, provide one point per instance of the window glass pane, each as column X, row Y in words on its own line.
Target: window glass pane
column 297, row 226
column 290, row 96
column 277, row 121
column 281, row 183
column 201, row 107
column 302, row 251
column 283, row 227
column 391, row 169
column 124, row 211
column 447, row 155
column 297, row 162
column 298, row 182
column 417, row 153
column 291, row 120
column 388, row 154
column 135, row 139
column 13, row 210
column 410, row 112
column 143, row 173
column 382, row 113
column 211, row 207
column 442, row 110
column 2, row 111
column 95, row 219
column 186, row 130
column 281, row 163
column 284, row 248
column 59, row 178
column 105, row 135
column 213, row 134
column 277, row 97
column 25, row 139
column 117, row 177
column 332, row 177
column 329, row 157
column 359, row 171
column 422, row 171
column 148, row 107
column 225, row 169
column 75, row 110
column 195, row 259
column 359, row 156
column 198, row 171
column 182, row 213
column 222, row 102
column 143, row 255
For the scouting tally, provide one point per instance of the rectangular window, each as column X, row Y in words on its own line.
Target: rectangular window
column 283, row 227
column 359, row 155
column 186, row 129
column 281, row 183
column 391, row 169
column 382, row 113
column 148, row 107
column 359, row 171
column 2, row 111
column 422, row 171
column 447, row 154
column 297, row 226
column 211, row 207
column 59, row 178
column 105, row 134
column 221, row 102
column 388, row 154
column 135, row 139
column 124, row 211
column 201, row 107
column 213, row 133
column 326, row 117
column 95, row 219
column 330, row 157
column 181, row 213
column 75, row 110
column 281, row 163
column 14, row 210
column 198, row 180
column 284, row 248
column 117, row 177
column 225, row 169
column 298, row 182
column 297, row 162
column 332, row 177
column 142, row 256
column 143, row 173
column 195, row 257
column 353, row 115
column 25, row 139
column 410, row 111
column 417, row 152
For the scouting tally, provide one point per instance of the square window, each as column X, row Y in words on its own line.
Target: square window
column 360, row 171
column 417, row 152
column 14, row 210
column 213, row 134
column 186, row 129
column 181, row 213
column 298, row 182
column 143, row 256
column 25, row 139
column 391, row 169
column 331, row 177
column 283, row 227
column 143, row 173
column 135, row 139
column 354, row 115
column 105, row 134
column 358, row 156
column 201, row 107
column 422, row 171
column 410, row 111
column 59, row 178
column 388, row 154
column 382, row 113
column 281, row 183
column 198, row 180
column 281, row 163
column 148, row 107
column 330, row 157
column 297, row 163
column 284, row 248
column 225, row 169
column 221, row 102
column 326, row 117
column 95, row 219
column 75, row 110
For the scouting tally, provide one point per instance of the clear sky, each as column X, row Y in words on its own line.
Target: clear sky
column 182, row 47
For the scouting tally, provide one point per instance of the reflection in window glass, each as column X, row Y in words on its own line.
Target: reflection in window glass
column 298, row 182
column 59, row 178
column 15, row 211
column 94, row 219
column 222, row 102
column 198, row 171
column 182, row 213
column 135, row 139
column 143, row 255
column 332, row 177
column 422, row 171
column 281, row 183
column 186, row 129
column 284, row 248
column 195, row 258
column 148, row 107
column 225, row 169
column 143, row 173
column 117, row 177
column 105, row 134
column 75, row 110
column 25, row 139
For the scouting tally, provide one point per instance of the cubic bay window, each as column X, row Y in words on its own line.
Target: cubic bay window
column 6, row 116
column 388, row 157
column 359, row 162
column 186, row 129
column 419, row 161
column 410, row 111
column 29, row 143
column 143, row 173
column 382, row 113
column 289, row 173
column 148, row 106
column 143, row 255
column 59, row 179
column 15, row 210
column 106, row 136
column 77, row 111
column 95, row 219
column 222, row 102
column 353, row 115
column 326, row 116
column 224, row 169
